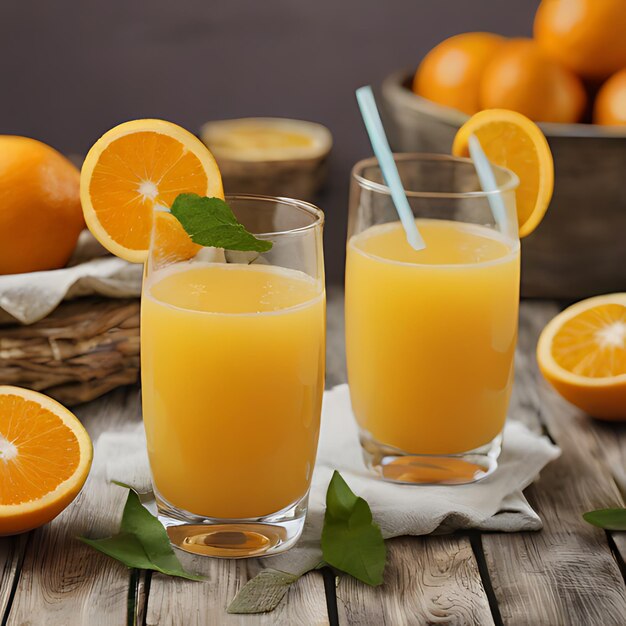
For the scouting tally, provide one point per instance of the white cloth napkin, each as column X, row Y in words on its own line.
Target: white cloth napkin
column 495, row 504
column 30, row 297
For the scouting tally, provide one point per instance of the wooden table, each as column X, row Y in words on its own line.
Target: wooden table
column 569, row 573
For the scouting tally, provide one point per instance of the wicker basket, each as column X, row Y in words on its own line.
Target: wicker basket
column 83, row 349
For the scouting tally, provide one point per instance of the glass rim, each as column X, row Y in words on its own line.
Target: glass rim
column 510, row 184
column 301, row 205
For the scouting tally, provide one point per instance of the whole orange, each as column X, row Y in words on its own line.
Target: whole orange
column 524, row 79
column 40, row 212
column 610, row 105
column 587, row 36
column 450, row 73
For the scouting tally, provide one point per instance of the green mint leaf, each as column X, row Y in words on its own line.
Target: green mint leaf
column 142, row 542
column 262, row 593
column 211, row 222
column 351, row 541
column 609, row 519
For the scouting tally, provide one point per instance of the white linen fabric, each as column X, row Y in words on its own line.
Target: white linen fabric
column 29, row 297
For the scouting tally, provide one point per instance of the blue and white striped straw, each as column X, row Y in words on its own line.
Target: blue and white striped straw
column 380, row 145
column 488, row 182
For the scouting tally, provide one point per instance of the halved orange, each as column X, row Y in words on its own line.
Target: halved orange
column 45, row 456
column 132, row 170
column 582, row 354
column 511, row 140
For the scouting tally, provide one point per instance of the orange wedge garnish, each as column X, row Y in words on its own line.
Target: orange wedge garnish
column 132, row 170
column 511, row 140
column 45, row 456
column 582, row 353
column 170, row 242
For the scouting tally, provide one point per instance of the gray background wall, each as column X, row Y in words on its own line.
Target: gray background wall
column 69, row 70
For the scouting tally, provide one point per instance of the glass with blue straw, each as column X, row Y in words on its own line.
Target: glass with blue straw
column 432, row 295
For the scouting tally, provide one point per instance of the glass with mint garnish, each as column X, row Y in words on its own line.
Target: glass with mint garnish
column 232, row 358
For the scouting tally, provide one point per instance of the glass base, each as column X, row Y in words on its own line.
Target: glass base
column 233, row 538
column 397, row 466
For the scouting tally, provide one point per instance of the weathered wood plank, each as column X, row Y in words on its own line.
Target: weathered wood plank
column 11, row 553
column 428, row 580
column 619, row 539
column 611, row 438
column 63, row 581
column 565, row 574
column 525, row 396
column 176, row 601
column 137, row 610
column 620, row 544
column 8, row 569
column 604, row 440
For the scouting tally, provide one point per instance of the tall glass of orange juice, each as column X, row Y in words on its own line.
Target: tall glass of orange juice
column 431, row 334
column 232, row 356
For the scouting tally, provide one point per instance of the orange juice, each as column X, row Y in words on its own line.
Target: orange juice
column 431, row 334
column 233, row 374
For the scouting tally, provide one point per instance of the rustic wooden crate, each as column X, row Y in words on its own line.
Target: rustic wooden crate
column 80, row 351
column 580, row 248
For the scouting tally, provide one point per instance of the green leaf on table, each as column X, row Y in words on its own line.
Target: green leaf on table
column 142, row 542
column 211, row 222
column 122, row 547
column 262, row 593
column 138, row 521
column 609, row 519
column 351, row 541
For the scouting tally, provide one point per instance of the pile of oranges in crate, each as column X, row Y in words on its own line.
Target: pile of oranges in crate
column 573, row 70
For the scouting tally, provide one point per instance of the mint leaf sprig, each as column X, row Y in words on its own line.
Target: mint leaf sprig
column 211, row 222
column 142, row 541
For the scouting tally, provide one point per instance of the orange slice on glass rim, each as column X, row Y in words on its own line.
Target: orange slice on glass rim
column 582, row 354
column 511, row 140
column 45, row 456
column 135, row 169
